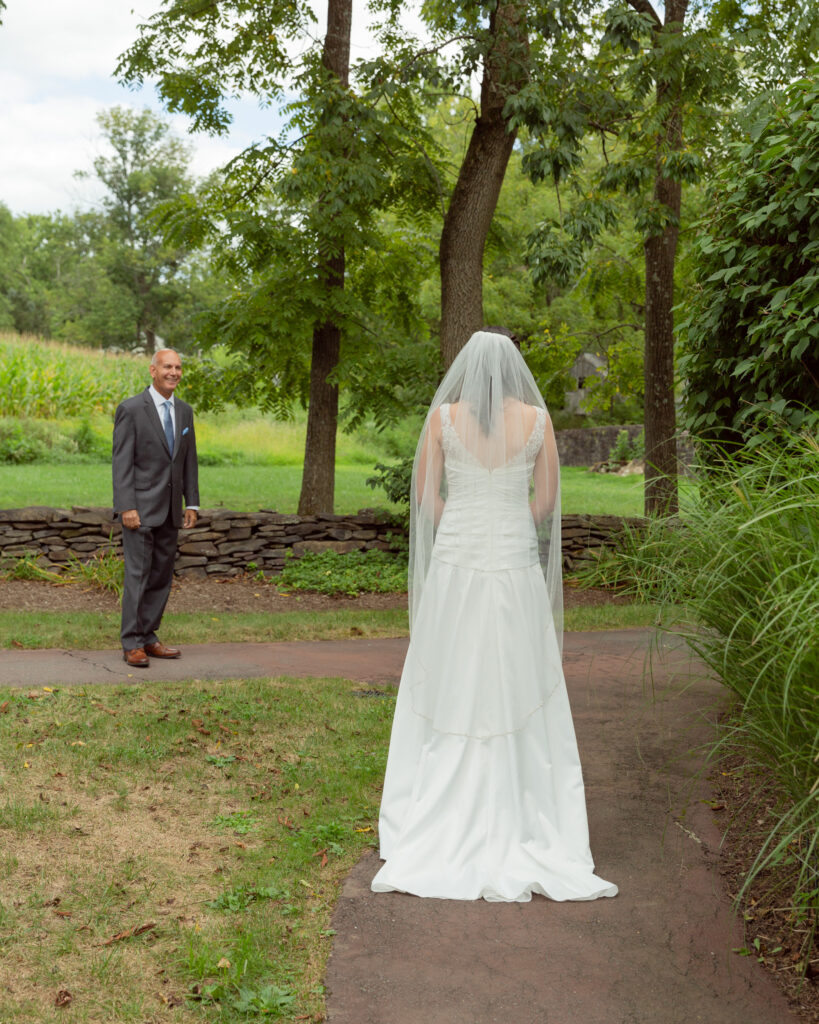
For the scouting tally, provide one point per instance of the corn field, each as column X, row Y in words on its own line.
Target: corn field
column 46, row 380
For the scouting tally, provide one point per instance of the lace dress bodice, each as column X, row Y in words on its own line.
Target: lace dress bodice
column 487, row 522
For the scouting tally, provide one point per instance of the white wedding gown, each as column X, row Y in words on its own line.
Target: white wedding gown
column 483, row 795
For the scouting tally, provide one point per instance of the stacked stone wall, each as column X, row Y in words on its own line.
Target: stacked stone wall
column 228, row 543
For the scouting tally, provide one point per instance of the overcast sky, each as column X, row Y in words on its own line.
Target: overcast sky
column 57, row 59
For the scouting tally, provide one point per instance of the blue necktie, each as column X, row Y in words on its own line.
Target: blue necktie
column 168, row 424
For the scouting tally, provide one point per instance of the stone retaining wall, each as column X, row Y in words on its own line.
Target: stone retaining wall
column 585, row 446
column 226, row 543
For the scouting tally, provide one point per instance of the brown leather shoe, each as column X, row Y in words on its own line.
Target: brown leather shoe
column 159, row 650
column 136, row 658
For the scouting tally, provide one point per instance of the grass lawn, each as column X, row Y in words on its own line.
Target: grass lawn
column 244, row 488
column 175, row 851
column 95, row 631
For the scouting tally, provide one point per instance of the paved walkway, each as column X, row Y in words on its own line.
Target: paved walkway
column 659, row 953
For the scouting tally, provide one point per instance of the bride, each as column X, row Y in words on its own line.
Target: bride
column 483, row 795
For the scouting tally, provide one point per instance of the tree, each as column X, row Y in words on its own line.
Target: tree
column 318, row 478
column 751, row 333
column 475, row 195
column 148, row 167
column 293, row 218
column 658, row 94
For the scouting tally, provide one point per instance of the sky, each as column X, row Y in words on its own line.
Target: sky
column 57, row 59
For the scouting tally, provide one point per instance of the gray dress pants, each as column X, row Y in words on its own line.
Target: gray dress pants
column 149, row 554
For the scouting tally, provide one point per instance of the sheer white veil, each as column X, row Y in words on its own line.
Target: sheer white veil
column 490, row 400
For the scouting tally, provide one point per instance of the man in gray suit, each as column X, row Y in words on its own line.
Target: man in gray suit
column 154, row 467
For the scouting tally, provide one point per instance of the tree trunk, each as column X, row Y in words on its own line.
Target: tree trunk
column 661, row 496
column 318, row 477
column 476, row 192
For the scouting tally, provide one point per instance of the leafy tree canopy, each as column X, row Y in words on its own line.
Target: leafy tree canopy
column 751, row 333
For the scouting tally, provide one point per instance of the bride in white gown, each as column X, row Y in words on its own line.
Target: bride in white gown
column 483, row 795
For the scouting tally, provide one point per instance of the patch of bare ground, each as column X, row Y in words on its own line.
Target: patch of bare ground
column 239, row 594
column 784, row 941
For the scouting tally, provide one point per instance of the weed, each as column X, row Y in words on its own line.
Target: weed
column 240, row 822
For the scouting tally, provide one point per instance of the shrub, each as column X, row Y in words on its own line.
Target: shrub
column 354, row 572
column 751, row 333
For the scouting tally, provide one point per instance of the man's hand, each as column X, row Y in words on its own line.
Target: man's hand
column 130, row 519
column 191, row 515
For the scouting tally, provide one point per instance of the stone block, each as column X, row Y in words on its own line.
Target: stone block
column 191, row 571
column 248, row 546
column 239, row 533
column 92, row 515
column 33, row 514
column 338, row 534
column 186, row 561
column 199, row 548
column 342, row 546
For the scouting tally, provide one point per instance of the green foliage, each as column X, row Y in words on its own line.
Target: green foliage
column 395, row 480
column 751, row 333
column 106, row 571
column 352, row 572
column 285, row 209
column 624, row 449
column 47, row 380
column 27, row 567
column 745, row 561
column 240, row 897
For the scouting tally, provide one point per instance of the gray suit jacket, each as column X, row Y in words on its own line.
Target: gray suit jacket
column 145, row 476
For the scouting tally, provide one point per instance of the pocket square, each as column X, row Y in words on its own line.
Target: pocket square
column 185, row 431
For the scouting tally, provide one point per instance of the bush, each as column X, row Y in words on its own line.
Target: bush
column 32, row 440
column 354, row 572
column 751, row 333
column 395, row 481
column 19, row 445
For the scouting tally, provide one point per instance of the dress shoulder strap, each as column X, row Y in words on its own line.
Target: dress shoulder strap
column 535, row 439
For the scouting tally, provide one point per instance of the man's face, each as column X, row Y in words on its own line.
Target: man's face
column 166, row 372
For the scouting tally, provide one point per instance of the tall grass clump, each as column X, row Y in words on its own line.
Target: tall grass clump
column 744, row 562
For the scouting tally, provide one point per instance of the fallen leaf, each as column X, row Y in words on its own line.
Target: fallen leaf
column 49, row 689
column 130, row 933
column 61, row 913
column 63, row 998
column 224, row 964
column 16, row 643
column 369, row 828
column 323, row 855
column 33, row 695
column 4, row 708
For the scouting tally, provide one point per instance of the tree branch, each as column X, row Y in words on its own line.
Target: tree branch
column 644, row 7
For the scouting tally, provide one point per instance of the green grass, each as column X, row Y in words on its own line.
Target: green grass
column 176, row 851
column 95, row 631
column 247, row 488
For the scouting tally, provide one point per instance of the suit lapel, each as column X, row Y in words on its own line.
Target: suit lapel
column 177, row 437
column 153, row 416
